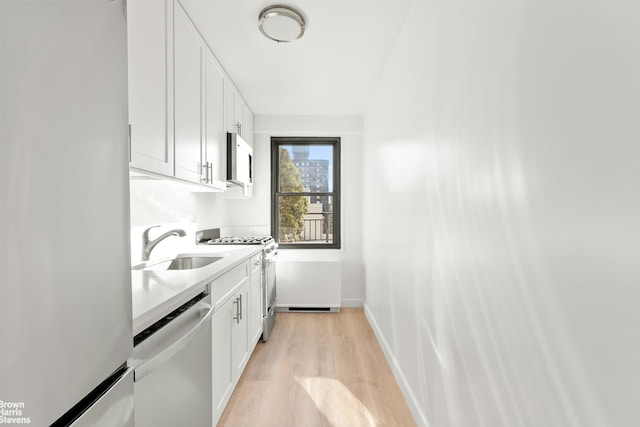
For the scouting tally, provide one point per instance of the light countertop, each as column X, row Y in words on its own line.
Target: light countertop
column 156, row 293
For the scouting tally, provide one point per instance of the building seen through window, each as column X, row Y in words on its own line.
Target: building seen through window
column 305, row 192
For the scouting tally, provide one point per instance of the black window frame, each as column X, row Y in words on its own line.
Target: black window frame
column 276, row 143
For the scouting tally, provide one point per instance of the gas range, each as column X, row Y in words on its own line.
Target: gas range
column 269, row 256
column 241, row 240
column 212, row 237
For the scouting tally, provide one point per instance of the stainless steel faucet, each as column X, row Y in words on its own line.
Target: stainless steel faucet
column 148, row 245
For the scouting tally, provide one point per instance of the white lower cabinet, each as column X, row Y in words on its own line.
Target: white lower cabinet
column 231, row 339
column 222, row 372
column 240, row 331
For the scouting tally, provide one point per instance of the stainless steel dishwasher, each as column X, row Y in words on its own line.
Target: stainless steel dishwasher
column 172, row 368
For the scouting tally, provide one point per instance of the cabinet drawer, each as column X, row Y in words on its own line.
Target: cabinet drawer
column 223, row 287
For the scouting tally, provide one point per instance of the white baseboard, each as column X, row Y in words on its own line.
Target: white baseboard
column 352, row 303
column 418, row 415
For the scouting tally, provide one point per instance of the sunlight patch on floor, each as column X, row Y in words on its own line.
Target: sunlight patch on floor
column 332, row 398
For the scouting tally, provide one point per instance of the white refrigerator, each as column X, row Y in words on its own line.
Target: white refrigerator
column 65, row 291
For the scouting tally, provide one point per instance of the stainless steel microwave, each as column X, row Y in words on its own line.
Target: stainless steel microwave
column 239, row 161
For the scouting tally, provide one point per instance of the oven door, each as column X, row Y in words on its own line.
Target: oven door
column 270, row 276
column 269, row 296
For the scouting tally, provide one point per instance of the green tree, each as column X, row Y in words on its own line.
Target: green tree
column 292, row 208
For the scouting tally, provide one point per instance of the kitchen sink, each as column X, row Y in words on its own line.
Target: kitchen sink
column 181, row 262
column 187, row 263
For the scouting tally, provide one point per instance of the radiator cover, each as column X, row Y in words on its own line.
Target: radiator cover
column 308, row 285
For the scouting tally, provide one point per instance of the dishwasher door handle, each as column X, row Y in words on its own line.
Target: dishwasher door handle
column 149, row 365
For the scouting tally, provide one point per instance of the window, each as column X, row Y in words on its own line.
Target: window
column 305, row 188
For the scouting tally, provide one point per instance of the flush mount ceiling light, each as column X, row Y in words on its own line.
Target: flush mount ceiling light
column 281, row 23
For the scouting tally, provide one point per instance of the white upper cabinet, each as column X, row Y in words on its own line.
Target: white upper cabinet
column 200, row 139
column 247, row 125
column 149, row 27
column 181, row 103
column 189, row 49
column 231, row 123
column 238, row 113
column 238, row 116
column 214, row 149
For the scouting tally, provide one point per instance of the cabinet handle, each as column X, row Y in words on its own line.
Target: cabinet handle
column 203, row 176
column 237, row 316
column 240, row 305
column 210, row 172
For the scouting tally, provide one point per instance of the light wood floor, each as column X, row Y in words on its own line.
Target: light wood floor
column 318, row 369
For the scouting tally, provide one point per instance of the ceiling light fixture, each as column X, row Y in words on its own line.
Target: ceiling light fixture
column 281, row 23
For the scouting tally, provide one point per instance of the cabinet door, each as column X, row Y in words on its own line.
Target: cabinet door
column 238, row 113
column 150, row 28
column 247, row 125
column 215, row 134
column 240, row 331
column 222, row 367
column 188, row 65
column 229, row 111
column 255, row 301
column 234, row 109
column 238, row 116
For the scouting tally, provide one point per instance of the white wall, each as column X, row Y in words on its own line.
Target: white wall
column 501, row 154
column 257, row 211
column 164, row 203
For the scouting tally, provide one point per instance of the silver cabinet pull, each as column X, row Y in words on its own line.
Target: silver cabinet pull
column 203, row 173
column 240, row 307
column 210, row 172
column 237, row 317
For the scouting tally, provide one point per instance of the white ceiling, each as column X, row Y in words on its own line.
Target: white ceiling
column 330, row 71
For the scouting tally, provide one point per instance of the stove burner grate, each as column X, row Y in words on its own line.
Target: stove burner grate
column 241, row 240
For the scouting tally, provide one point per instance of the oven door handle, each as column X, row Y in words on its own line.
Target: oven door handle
column 145, row 367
